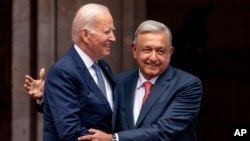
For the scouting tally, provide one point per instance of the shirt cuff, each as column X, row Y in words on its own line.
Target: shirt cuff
column 39, row 102
column 117, row 137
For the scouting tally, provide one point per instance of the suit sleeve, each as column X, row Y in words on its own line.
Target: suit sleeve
column 61, row 102
column 175, row 119
column 39, row 107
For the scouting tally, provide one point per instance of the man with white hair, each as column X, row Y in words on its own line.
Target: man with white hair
column 78, row 92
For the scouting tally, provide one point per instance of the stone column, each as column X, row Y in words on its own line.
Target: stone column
column 21, row 39
column 46, row 44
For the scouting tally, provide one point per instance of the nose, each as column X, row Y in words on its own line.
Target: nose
column 153, row 56
column 112, row 37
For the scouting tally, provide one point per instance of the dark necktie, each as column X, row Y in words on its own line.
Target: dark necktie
column 100, row 81
column 147, row 85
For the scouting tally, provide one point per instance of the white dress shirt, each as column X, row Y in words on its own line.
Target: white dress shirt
column 139, row 94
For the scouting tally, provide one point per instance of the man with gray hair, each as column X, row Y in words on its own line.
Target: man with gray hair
column 157, row 102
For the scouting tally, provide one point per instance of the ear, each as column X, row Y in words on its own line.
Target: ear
column 84, row 35
column 171, row 50
column 133, row 49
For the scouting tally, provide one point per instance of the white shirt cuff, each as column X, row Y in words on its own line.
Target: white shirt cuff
column 39, row 102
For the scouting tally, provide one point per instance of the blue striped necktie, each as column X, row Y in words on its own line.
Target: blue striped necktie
column 100, row 82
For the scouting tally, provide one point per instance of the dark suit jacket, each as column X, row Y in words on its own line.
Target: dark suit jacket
column 170, row 112
column 73, row 103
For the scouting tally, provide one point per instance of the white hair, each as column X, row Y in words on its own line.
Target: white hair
column 85, row 17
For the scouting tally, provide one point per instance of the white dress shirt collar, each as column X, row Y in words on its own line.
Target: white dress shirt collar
column 142, row 79
column 85, row 58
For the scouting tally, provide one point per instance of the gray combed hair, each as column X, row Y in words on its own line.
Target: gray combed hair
column 151, row 26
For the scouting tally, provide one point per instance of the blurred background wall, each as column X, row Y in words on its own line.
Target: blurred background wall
column 211, row 40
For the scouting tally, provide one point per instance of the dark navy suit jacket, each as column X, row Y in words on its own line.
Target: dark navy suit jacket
column 73, row 103
column 169, row 113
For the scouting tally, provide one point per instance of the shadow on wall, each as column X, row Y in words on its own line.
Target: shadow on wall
column 190, row 44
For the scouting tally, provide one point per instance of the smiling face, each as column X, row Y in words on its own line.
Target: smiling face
column 152, row 52
column 100, row 38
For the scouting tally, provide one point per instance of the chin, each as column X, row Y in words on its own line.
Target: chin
column 107, row 53
column 152, row 74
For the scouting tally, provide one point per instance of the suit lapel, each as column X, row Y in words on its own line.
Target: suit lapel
column 157, row 90
column 130, row 92
column 108, row 73
column 87, row 78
